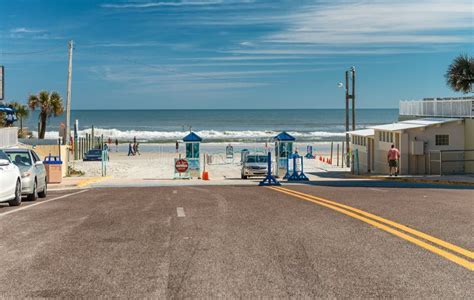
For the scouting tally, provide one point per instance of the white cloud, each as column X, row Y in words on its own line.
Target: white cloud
column 379, row 22
column 169, row 3
column 25, row 30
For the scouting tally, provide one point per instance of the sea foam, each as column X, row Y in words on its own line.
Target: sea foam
column 211, row 135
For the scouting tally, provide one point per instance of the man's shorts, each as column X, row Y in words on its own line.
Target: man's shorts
column 392, row 163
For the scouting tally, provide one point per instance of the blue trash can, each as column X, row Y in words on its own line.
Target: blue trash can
column 54, row 170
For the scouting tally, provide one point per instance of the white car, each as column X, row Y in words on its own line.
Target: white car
column 34, row 182
column 10, row 181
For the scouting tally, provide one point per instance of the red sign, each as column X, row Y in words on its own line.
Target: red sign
column 181, row 165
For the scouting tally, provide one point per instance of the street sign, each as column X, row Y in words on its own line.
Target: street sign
column 181, row 165
column 2, row 82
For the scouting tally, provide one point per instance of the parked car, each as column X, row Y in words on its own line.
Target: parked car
column 34, row 181
column 93, row 155
column 10, row 181
column 254, row 165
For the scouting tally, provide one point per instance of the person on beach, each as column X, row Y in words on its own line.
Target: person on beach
column 137, row 151
column 116, row 145
column 134, row 140
column 130, row 149
column 392, row 157
column 177, row 146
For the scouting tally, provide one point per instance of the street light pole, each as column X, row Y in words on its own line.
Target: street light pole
column 349, row 96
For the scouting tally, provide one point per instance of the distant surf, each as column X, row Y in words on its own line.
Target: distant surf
column 208, row 135
column 245, row 125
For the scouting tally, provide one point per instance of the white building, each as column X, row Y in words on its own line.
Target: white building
column 421, row 143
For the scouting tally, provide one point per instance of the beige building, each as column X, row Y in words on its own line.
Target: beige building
column 363, row 142
column 420, row 142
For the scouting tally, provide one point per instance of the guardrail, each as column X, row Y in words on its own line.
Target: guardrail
column 437, row 108
column 8, row 137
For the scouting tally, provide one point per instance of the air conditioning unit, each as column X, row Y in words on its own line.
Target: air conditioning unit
column 417, row 148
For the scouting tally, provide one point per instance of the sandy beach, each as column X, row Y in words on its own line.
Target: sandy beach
column 156, row 161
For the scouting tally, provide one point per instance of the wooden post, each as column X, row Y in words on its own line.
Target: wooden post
column 342, row 155
column 331, row 152
column 88, row 141
column 337, row 155
column 92, row 137
column 59, row 148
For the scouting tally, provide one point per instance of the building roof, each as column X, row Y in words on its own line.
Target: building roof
column 411, row 124
column 284, row 136
column 363, row 132
column 192, row 137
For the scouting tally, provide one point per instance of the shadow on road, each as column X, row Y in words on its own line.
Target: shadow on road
column 338, row 180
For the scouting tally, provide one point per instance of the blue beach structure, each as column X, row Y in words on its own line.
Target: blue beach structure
column 192, row 141
column 283, row 149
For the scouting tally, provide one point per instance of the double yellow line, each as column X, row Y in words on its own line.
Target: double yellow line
column 455, row 254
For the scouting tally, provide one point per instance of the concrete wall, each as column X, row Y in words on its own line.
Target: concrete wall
column 45, row 150
column 380, row 156
column 419, row 164
column 8, row 137
column 363, row 157
column 469, row 144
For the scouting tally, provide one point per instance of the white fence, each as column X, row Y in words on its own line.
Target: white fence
column 438, row 108
column 8, row 137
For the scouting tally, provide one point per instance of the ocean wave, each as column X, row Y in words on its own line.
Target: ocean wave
column 212, row 135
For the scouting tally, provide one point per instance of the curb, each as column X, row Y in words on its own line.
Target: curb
column 413, row 180
column 91, row 181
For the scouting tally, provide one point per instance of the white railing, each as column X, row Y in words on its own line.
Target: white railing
column 8, row 137
column 437, row 108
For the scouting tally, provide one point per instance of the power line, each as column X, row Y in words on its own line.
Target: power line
column 32, row 52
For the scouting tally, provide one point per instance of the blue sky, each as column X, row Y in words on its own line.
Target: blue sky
column 232, row 54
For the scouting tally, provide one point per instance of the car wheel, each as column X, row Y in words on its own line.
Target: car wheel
column 44, row 192
column 33, row 196
column 17, row 200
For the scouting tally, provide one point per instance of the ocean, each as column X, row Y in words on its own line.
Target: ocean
column 160, row 126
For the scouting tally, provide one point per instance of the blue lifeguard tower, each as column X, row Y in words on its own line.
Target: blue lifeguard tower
column 193, row 142
column 283, row 150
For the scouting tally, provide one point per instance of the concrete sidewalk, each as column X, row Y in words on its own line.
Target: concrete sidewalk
column 445, row 179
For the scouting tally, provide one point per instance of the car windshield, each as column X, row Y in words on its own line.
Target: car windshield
column 256, row 159
column 21, row 159
column 3, row 155
column 95, row 152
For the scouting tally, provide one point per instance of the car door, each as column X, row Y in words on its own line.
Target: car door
column 8, row 179
column 40, row 170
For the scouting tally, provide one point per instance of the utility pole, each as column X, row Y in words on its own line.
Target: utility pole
column 347, row 118
column 353, row 98
column 68, row 99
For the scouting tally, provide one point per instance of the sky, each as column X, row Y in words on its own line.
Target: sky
column 209, row 54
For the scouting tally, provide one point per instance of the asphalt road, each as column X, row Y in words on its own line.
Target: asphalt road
column 230, row 241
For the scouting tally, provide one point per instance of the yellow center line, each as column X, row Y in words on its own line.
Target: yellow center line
column 414, row 232
column 448, row 255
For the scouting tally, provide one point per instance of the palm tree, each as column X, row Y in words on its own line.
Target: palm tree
column 50, row 104
column 460, row 74
column 21, row 112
